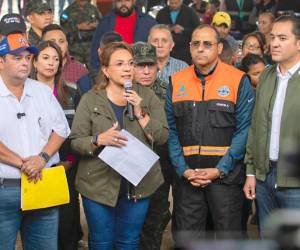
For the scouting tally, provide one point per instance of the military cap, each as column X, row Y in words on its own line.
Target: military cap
column 12, row 23
column 37, row 6
column 144, row 53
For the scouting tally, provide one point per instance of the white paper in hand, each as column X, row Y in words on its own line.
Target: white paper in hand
column 132, row 161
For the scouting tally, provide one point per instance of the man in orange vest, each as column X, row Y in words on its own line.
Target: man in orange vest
column 208, row 107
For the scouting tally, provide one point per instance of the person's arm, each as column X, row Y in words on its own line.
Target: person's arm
column 174, row 147
column 243, row 114
column 33, row 165
column 81, row 136
column 153, row 121
column 157, row 127
column 9, row 157
column 67, row 22
column 250, row 183
column 82, row 140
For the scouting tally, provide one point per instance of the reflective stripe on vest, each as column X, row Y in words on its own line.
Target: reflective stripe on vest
column 205, row 150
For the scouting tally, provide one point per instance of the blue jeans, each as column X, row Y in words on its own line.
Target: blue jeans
column 115, row 227
column 38, row 227
column 270, row 197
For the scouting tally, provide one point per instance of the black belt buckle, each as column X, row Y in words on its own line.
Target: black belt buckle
column 272, row 164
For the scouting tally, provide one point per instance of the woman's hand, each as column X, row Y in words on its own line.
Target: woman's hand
column 133, row 98
column 111, row 137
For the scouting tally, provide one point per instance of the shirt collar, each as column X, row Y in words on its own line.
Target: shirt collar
column 28, row 91
column 168, row 62
column 4, row 91
column 290, row 72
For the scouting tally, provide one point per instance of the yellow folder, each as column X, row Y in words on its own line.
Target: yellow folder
column 51, row 191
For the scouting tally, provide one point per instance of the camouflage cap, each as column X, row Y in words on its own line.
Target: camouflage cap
column 37, row 6
column 144, row 53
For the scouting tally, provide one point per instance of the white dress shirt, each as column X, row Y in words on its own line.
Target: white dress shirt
column 28, row 134
column 277, row 109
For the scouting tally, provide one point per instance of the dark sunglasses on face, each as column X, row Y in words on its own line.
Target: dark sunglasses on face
column 205, row 44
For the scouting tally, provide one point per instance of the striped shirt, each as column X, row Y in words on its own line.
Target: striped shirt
column 172, row 66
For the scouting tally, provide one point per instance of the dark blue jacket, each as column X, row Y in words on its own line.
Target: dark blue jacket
column 144, row 22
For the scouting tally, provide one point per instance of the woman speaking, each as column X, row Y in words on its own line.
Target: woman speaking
column 115, row 209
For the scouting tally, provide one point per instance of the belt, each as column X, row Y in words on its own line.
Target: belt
column 6, row 182
column 272, row 164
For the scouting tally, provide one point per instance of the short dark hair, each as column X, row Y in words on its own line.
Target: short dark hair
column 110, row 37
column 52, row 27
column 203, row 26
column 249, row 60
column 295, row 22
column 268, row 14
column 260, row 37
column 227, row 52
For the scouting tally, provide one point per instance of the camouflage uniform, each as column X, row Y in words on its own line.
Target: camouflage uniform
column 33, row 38
column 36, row 6
column 158, row 215
column 79, row 40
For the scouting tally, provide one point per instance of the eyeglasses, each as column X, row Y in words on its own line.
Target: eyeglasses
column 251, row 46
column 122, row 65
column 141, row 67
column 205, row 44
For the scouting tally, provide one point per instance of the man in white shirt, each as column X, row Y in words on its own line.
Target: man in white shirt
column 32, row 129
column 273, row 147
column 160, row 37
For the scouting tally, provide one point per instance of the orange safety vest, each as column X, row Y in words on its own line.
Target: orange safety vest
column 205, row 117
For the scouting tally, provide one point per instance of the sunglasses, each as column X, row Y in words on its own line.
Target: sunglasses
column 205, row 44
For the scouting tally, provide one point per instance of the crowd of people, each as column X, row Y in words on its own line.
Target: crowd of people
column 214, row 93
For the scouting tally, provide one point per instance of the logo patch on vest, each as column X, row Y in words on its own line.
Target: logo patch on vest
column 223, row 91
column 182, row 92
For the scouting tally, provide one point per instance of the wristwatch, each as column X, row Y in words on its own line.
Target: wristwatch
column 95, row 140
column 44, row 156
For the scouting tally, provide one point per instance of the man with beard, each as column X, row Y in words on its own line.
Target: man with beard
column 126, row 20
column 79, row 21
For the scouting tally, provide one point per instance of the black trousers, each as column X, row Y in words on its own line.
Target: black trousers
column 158, row 215
column 191, row 206
column 69, row 230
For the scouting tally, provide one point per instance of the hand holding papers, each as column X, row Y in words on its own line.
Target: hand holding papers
column 132, row 161
column 51, row 191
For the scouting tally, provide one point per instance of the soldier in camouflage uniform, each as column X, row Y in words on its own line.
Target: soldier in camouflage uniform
column 39, row 14
column 158, row 216
column 79, row 21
